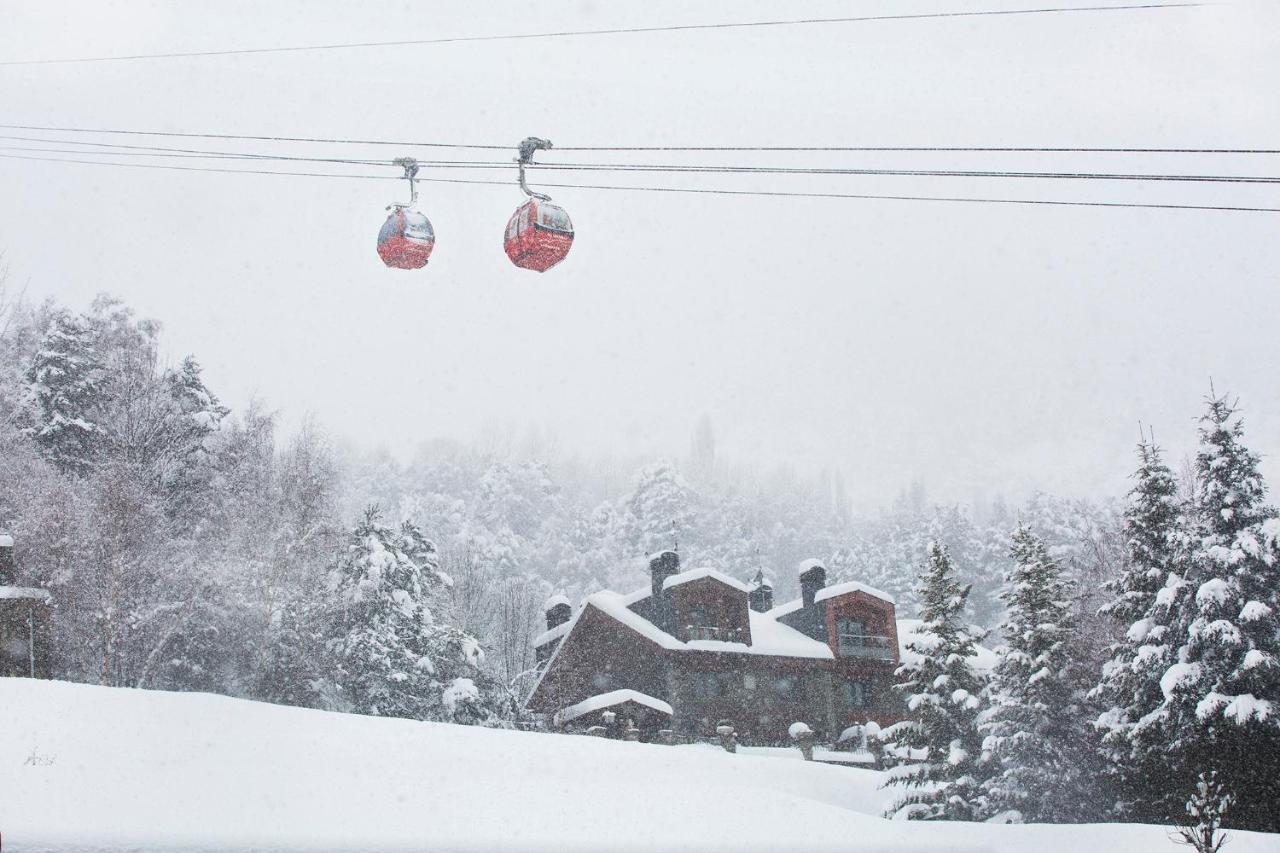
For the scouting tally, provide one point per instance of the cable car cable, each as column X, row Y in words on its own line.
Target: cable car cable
column 947, row 173
column 979, row 149
column 154, row 151
column 600, row 32
column 693, row 190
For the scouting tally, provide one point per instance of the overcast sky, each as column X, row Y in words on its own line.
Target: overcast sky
column 981, row 348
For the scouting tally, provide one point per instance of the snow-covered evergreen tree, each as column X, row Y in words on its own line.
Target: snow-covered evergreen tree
column 64, row 389
column 1129, row 688
column 1035, row 729
column 1221, row 709
column 661, row 508
column 387, row 653
column 944, row 697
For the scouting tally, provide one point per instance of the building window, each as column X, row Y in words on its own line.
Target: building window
column 853, row 694
column 787, row 687
column 708, row 685
column 853, row 639
column 749, row 680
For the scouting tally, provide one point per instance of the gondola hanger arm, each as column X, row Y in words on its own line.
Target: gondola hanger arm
column 527, row 148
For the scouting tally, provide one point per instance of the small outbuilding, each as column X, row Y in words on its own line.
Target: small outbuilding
column 24, row 621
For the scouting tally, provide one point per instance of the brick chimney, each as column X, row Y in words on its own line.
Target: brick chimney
column 8, row 567
column 811, row 620
column 760, row 593
column 558, row 610
column 813, row 577
column 662, row 565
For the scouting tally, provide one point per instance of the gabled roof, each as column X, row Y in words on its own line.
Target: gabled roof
column 699, row 574
column 769, row 637
column 608, row 700
column 851, row 586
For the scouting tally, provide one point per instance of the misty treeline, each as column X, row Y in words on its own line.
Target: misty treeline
column 1181, row 722
column 190, row 547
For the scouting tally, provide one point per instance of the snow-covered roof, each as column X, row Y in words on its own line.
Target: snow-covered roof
column 23, row 592
column 851, row 586
column 810, row 564
column 768, row 636
column 656, row 554
column 771, row 637
column 551, row 633
column 607, row 700
column 764, row 580
column 555, row 601
column 612, row 604
column 984, row 659
column 699, row 574
column 6, row 541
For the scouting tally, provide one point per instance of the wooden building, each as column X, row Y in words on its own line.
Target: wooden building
column 711, row 648
column 24, row 621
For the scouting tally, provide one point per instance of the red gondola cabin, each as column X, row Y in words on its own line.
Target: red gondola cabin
column 406, row 239
column 538, row 236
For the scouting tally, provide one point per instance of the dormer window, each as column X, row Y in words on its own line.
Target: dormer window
column 700, row 625
column 853, row 639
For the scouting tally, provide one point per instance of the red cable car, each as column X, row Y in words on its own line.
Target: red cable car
column 539, row 234
column 406, row 239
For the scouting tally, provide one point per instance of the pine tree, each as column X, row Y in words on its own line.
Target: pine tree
column 1035, row 734
column 1129, row 688
column 387, row 653
column 944, row 695
column 1221, row 689
column 64, row 387
column 661, row 507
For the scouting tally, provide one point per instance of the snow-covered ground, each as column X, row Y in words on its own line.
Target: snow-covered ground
column 89, row 768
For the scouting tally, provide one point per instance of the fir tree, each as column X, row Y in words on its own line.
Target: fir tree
column 1221, row 689
column 944, row 695
column 64, row 387
column 1035, row 734
column 661, row 508
column 387, row 652
column 1129, row 688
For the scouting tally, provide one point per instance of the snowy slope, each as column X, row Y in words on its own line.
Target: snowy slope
column 90, row 768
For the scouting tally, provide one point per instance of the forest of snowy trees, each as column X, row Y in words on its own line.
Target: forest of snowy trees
column 1180, row 724
column 190, row 547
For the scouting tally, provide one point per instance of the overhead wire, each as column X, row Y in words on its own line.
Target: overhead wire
column 189, row 153
column 692, row 190
column 1000, row 149
column 607, row 31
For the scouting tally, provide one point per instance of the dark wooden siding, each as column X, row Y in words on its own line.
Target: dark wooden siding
column 601, row 654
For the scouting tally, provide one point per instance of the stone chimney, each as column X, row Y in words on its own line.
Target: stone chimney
column 662, row 565
column 813, row 577
column 760, row 593
column 558, row 610
column 8, row 567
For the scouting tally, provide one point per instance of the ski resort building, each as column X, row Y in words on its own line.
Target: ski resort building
column 692, row 648
column 24, row 621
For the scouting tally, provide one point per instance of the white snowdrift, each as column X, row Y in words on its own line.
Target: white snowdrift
column 87, row 768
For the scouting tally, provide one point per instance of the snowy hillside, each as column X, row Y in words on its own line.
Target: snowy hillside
column 102, row 769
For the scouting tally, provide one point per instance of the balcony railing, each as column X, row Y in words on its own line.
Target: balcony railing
column 865, row 646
